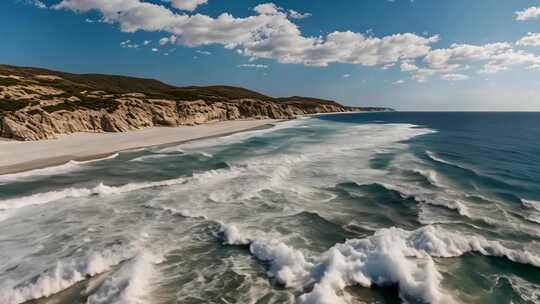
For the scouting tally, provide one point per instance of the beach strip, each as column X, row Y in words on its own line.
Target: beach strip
column 17, row 156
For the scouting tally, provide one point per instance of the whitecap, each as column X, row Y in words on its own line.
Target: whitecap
column 101, row 189
column 232, row 236
column 132, row 284
column 390, row 256
column 531, row 204
column 64, row 275
column 526, row 290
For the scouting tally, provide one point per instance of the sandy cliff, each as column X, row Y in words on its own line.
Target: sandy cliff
column 38, row 104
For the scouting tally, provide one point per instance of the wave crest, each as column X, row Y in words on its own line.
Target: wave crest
column 64, row 275
column 390, row 256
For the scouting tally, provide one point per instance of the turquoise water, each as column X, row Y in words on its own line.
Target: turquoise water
column 351, row 208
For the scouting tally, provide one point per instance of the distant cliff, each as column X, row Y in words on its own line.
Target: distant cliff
column 38, row 104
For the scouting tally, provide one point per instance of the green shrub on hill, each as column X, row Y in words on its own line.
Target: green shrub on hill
column 7, row 105
column 87, row 103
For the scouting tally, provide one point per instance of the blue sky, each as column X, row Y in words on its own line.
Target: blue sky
column 410, row 55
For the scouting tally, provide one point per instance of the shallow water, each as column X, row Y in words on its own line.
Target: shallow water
column 356, row 208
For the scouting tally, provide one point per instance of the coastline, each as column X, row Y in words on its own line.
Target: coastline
column 17, row 156
column 338, row 113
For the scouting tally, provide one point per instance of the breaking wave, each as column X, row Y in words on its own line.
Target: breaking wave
column 132, row 284
column 390, row 257
column 101, row 189
column 64, row 275
column 535, row 205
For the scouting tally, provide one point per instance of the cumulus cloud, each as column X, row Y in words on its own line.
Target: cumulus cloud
column 346, row 75
column 204, row 52
column 449, row 58
column 493, row 58
column 532, row 39
column 268, row 34
column 38, row 3
column 504, row 61
column 165, row 40
column 296, row 15
column 528, row 14
column 454, row 77
column 407, row 66
column 397, row 82
column 187, row 5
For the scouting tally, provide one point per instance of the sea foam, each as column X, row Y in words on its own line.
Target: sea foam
column 132, row 284
column 100, row 189
column 64, row 275
column 389, row 257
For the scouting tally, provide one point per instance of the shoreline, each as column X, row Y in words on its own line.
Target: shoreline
column 339, row 113
column 21, row 156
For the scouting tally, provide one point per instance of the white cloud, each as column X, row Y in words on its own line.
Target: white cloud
column 296, row 15
column 346, row 75
column 269, row 34
column 165, row 40
column 268, row 9
column 451, row 57
column 204, row 52
column 147, row 42
column 128, row 45
column 532, row 39
column 36, row 3
column 454, row 77
column 504, row 61
column 407, row 66
column 528, row 14
column 187, row 5
column 39, row 4
column 253, row 66
column 401, row 81
column 494, row 57
column 155, row 50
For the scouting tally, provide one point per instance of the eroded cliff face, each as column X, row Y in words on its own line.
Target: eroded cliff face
column 34, row 123
column 37, row 104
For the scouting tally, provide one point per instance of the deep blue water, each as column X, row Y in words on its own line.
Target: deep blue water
column 504, row 146
column 394, row 207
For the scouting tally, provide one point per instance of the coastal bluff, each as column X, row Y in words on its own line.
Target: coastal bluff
column 37, row 104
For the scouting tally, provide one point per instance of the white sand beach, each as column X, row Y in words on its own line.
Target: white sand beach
column 16, row 156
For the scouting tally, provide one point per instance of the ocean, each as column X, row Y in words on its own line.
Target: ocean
column 393, row 207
